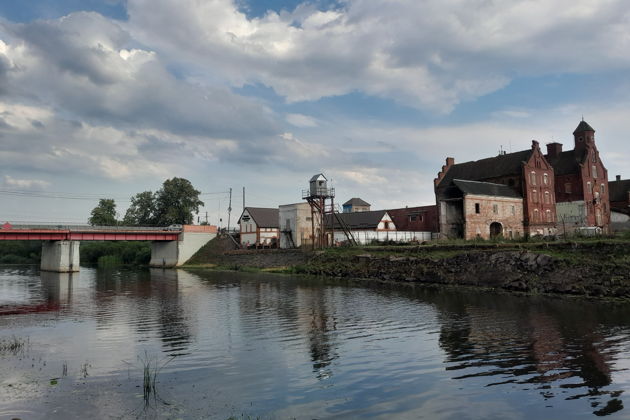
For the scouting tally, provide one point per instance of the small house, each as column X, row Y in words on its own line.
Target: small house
column 355, row 205
column 259, row 227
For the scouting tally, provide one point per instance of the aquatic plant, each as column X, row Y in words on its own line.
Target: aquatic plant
column 13, row 345
column 151, row 368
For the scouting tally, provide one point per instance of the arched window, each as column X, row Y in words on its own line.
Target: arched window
column 532, row 178
column 535, row 215
column 546, row 179
column 548, row 216
column 534, row 196
column 547, row 197
column 594, row 171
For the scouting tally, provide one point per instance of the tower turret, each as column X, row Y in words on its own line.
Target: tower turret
column 584, row 135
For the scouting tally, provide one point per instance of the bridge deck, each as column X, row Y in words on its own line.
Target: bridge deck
column 82, row 234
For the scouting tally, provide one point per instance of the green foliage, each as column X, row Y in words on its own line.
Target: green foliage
column 109, row 261
column 116, row 252
column 176, row 202
column 20, row 252
column 141, row 212
column 104, row 214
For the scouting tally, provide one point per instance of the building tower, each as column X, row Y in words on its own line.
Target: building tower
column 321, row 199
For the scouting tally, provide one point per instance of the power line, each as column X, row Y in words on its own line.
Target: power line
column 73, row 196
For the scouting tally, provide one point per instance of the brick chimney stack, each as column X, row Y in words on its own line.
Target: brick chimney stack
column 618, row 177
column 554, row 149
column 535, row 144
column 449, row 162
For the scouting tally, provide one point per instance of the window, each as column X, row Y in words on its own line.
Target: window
column 548, row 216
column 477, row 208
column 547, row 197
column 535, row 215
column 594, row 171
column 589, row 187
column 495, row 208
column 546, row 179
column 602, row 188
column 534, row 196
column 513, row 211
column 567, row 187
column 532, row 178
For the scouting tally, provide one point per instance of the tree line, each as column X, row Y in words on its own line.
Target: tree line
column 174, row 203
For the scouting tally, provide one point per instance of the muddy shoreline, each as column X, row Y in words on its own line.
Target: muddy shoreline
column 592, row 269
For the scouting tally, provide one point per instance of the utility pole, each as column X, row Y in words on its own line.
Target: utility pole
column 229, row 210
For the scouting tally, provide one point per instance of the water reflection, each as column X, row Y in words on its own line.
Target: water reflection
column 283, row 347
column 560, row 348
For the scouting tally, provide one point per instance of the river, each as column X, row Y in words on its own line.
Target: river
column 252, row 345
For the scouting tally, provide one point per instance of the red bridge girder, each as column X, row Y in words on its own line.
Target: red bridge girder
column 67, row 235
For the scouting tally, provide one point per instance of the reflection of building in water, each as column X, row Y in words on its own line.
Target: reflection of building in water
column 150, row 301
column 318, row 326
column 302, row 309
column 513, row 341
column 53, row 293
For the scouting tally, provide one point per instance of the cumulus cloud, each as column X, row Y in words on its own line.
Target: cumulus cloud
column 25, row 184
column 430, row 54
column 79, row 93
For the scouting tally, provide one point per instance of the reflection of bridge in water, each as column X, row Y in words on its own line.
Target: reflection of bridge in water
column 170, row 247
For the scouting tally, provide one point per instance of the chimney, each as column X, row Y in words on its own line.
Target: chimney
column 554, row 149
column 449, row 162
column 535, row 145
column 618, row 177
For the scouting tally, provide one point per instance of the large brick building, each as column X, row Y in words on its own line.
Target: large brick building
column 581, row 180
column 525, row 176
column 572, row 184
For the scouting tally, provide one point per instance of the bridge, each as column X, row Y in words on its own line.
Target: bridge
column 170, row 246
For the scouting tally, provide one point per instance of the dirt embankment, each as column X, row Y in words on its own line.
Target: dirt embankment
column 592, row 269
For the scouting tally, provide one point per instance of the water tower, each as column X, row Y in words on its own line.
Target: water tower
column 321, row 199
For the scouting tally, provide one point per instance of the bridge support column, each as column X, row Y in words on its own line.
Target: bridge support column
column 60, row 256
column 175, row 253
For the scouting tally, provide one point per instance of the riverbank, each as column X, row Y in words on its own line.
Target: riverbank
column 597, row 268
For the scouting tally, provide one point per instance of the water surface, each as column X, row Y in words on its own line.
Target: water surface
column 278, row 347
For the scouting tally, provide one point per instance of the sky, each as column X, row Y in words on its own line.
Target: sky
column 109, row 98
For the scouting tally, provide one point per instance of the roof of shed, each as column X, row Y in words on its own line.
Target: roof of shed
column 264, row 217
column 358, row 220
column 485, row 188
column 316, row 177
column 618, row 190
column 494, row 167
column 355, row 201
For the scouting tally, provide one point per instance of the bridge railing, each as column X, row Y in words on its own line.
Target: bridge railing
column 95, row 228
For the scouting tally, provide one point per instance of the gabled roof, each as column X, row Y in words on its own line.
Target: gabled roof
column 566, row 162
column 583, row 126
column 358, row 220
column 494, row 167
column 264, row 217
column 618, row 190
column 356, row 202
column 485, row 188
column 317, row 176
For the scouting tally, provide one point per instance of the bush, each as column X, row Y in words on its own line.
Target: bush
column 20, row 252
column 137, row 253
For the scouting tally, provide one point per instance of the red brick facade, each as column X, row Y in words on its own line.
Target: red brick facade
column 415, row 219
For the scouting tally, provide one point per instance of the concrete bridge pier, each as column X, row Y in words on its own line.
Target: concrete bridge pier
column 175, row 253
column 60, row 256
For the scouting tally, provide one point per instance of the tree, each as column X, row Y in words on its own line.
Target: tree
column 104, row 214
column 141, row 212
column 176, row 202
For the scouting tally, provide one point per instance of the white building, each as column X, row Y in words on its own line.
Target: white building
column 259, row 227
column 295, row 222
